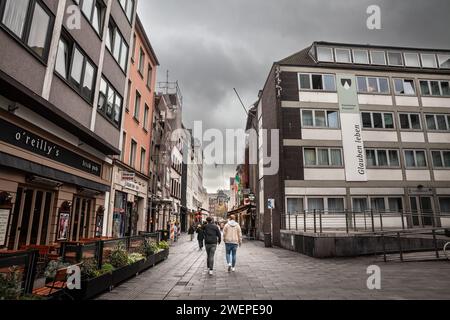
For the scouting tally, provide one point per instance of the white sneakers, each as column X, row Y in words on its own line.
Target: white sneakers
column 233, row 269
column 229, row 267
column 210, row 272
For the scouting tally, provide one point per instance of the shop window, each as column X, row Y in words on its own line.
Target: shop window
column 76, row 68
column 30, row 22
column 99, row 221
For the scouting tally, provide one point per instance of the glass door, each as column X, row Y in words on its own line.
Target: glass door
column 81, row 218
column 422, row 211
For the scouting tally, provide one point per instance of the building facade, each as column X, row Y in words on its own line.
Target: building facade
column 130, row 204
column 360, row 128
column 60, row 132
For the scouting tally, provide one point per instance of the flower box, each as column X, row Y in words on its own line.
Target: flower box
column 147, row 263
column 91, row 288
column 161, row 256
column 125, row 273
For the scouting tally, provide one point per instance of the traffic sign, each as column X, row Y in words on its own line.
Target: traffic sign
column 270, row 203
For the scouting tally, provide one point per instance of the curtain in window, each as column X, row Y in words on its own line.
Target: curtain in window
column 38, row 32
column 409, row 157
column 370, row 155
column 320, row 118
column 336, row 205
column 395, row 204
column 333, row 121
column 14, row 15
column 315, row 204
column 323, row 157
column 421, row 161
column 377, row 204
column 310, row 157
column 308, row 118
column 294, row 205
column 336, row 159
column 360, row 204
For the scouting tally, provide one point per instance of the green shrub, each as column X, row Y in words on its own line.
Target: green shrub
column 118, row 257
column 89, row 269
column 135, row 257
column 106, row 268
column 164, row 245
column 11, row 284
column 148, row 248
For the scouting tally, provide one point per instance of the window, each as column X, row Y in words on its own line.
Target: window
column 323, row 157
column 377, row 120
column 324, row 82
column 128, row 8
column 404, row 86
column 444, row 205
column 395, row 204
column 133, row 153
column 127, row 103
column 320, row 118
column 361, row 56
column 315, row 204
column 30, row 22
column 141, row 61
column 324, row 54
column 294, row 205
column 395, row 59
column 133, row 52
column 76, row 68
column 382, row 158
column 117, row 45
column 359, row 204
column 428, row 60
column 444, row 61
column 94, row 11
column 411, row 59
column 335, row 205
column 435, row 87
column 137, row 106
column 377, row 204
column 143, row 158
column 110, row 103
column 415, row 159
column 149, row 76
column 373, row 85
column 343, row 55
column 146, row 113
column 410, row 121
column 378, row 57
column 441, row 159
column 437, row 122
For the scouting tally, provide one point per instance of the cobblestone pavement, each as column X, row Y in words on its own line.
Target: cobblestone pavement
column 278, row 274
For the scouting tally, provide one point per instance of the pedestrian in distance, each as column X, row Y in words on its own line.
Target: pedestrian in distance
column 213, row 237
column 191, row 232
column 175, row 232
column 200, row 236
column 232, row 236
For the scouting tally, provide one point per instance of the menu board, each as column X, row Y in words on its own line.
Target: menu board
column 4, row 217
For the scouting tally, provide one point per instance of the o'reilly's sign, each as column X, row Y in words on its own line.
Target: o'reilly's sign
column 353, row 144
column 24, row 139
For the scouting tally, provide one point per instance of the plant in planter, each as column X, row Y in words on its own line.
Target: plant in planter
column 164, row 245
column 89, row 269
column 118, row 257
column 10, row 284
column 135, row 257
column 54, row 266
column 149, row 248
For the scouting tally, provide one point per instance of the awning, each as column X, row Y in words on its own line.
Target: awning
column 241, row 210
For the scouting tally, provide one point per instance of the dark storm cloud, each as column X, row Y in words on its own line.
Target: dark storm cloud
column 211, row 46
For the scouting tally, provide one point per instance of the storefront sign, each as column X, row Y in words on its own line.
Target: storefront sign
column 4, row 217
column 353, row 144
column 26, row 140
column 128, row 175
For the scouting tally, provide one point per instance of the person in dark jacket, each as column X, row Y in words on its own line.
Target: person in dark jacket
column 212, row 238
column 191, row 232
column 200, row 236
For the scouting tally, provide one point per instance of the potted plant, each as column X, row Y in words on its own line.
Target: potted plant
column 93, row 280
column 125, row 268
column 163, row 252
column 11, row 286
column 148, row 249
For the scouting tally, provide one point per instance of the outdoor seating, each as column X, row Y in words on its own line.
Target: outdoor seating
column 55, row 287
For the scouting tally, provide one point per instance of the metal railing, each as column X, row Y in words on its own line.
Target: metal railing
column 327, row 221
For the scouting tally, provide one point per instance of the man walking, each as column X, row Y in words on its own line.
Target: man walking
column 232, row 236
column 200, row 236
column 191, row 232
column 212, row 238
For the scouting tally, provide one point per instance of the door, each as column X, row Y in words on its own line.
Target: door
column 422, row 211
column 31, row 220
column 81, row 218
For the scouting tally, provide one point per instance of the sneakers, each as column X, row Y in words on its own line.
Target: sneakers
column 233, row 269
column 210, row 272
column 229, row 267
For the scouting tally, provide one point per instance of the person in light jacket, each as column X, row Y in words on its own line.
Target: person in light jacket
column 232, row 236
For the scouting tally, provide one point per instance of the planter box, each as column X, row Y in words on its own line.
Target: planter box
column 92, row 287
column 148, row 263
column 161, row 256
column 125, row 273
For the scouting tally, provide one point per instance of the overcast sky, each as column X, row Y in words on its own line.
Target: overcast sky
column 212, row 46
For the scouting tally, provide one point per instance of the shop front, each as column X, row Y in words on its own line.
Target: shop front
column 56, row 191
column 129, row 202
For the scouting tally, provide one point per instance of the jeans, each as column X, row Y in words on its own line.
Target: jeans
column 200, row 244
column 192, row 237
column 231, row 249
column 210, row 251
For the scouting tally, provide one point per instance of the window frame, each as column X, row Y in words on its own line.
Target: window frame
column 137, row 106
column 103, row 111
column 149, row 77
column 388, row 157
column 311, row 89
column 441, row 153
column 429, row 54
column 382, row 119
column 403, row 84
column 133, row 154
column 73, row 46
column 314, row 126
column 384, row 57
column 428, row 81
column 410, row 122
column 415, row 159
column 102, row 18
column 438, row 56
column 330, row 165
column 402, row 62
column 361, row 50
column 145, row 124
column 28, row 21
column 112, row 44
column 142, row 162
column 411, row 53
column 435, row 115
column 130, row 19
column 343, row 49
column 294, row 197
column 331, row 51
column 378, row 92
